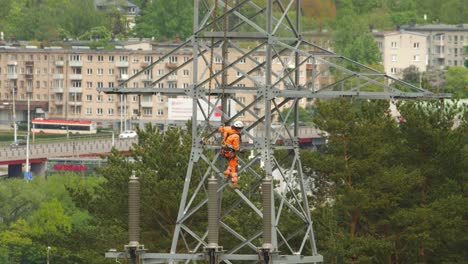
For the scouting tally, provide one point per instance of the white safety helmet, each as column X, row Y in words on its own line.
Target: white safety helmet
column 238, row 124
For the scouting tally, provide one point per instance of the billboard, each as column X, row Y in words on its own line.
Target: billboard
column 181, row 109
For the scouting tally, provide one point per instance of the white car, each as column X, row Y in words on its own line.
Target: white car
column 128, row 134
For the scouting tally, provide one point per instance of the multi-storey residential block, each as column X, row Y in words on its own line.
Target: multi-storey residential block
column 401, row 49
column 445, row 43
column 63, row 82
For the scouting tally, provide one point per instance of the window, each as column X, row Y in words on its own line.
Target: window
column 393, row 70
column 160, row 85
column 416, row 58
column 123, row 58
column 241, row 99
column 89, row 85
column 160, row 112
column 99, row 98
column 218, row 60
column 110, row 111
column 148, row 59
column 110, row 98
column 416, row 45
column 89, row 98
column 186, row 58
column 110, row 84
column 98, row 111
column 172, row 85
column 111, row 58
column 90, row 57
column 185, row 85
column 147, row 111
column 89, row 111
column 89, row 71
column 160, row 72
column 240, row 85
column 135, row 59
column 100, row 71
column 393, row 45
column 242, row 60
column 75, row 57
column 173, row 59
column 185, row 72
column 100, row 84
column 44, row 84
column 76, row 84
column 394, row 57
column 111, row 71
column 38, row 84
column 378, row 44
column 100, row 58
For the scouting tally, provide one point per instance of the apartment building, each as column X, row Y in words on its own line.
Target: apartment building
column 401, row 49
column 445, row 44
column 62, row 82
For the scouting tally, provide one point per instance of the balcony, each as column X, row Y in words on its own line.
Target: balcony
column 59, row 63
column 146, row 104
column 57, row 90
column 28, row 76
column 146, row 78
column 76, row 64
column 172, row 65
column 440, row 55
column 75, row 102
column 29, row 63
column 122, row 77
column 13, row 76
column 75, row 76
column 12, row 63
column 145, row 64
column 75, row 89
column 121, row 64
column 58, row 76
column 58, row 102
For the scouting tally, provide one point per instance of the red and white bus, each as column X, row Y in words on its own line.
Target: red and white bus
column 57, row 126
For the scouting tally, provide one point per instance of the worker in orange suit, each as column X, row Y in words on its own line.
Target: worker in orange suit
column 230, row 144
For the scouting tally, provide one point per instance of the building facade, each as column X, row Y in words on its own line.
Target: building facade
column 401, row 49
column 445, row 44
column 62, row 82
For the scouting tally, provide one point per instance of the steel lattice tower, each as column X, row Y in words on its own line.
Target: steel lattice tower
column 227, row 34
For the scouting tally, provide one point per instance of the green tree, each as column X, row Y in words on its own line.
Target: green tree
column 384, row 178
column 456, row 81
column 352, row 39
column 166, row 20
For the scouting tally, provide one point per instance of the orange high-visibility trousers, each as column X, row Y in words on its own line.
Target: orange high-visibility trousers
column 233, row 168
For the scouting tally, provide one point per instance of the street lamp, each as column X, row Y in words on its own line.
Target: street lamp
column 27, row 174
column 48, row 254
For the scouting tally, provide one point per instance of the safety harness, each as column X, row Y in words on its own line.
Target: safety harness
column 227, row 150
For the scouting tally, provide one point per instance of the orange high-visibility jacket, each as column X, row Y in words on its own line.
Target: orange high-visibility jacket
column 231, row 137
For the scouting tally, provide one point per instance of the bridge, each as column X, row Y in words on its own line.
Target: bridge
column 39, row 153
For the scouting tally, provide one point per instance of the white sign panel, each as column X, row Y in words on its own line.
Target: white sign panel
column 181, row 109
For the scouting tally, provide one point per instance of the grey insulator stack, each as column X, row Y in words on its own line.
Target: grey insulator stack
column 133, row 211
column 267, row 211
column 213, row 227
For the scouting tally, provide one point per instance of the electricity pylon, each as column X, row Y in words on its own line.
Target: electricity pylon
column 254, row 56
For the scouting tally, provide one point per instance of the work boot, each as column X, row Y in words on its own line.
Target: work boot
column 234, row 185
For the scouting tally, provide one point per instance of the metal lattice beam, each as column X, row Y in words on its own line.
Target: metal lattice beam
column 271, row 83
